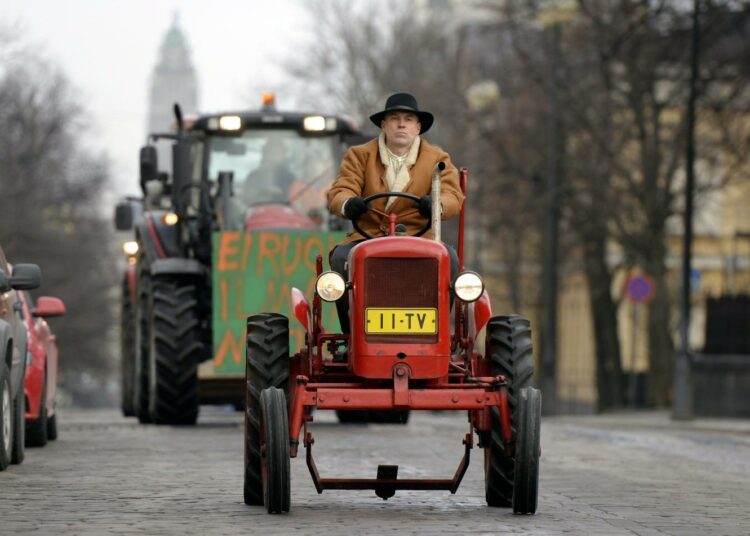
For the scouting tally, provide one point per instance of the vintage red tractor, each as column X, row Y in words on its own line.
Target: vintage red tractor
column 405, row 352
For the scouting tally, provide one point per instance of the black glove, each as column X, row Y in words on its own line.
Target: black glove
column 425, row 206
column 355, row 207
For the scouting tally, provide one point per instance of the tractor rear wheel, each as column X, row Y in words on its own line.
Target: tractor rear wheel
column 509, row 349
column 274, row 447
column 526, row 470
column 141, row 349
column 266, row 365
column 127, row 354
column 176, row 348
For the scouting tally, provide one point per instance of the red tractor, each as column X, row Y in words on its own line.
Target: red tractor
column 405, row 352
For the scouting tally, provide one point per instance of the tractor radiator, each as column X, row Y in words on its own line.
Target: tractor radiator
column 401, row 282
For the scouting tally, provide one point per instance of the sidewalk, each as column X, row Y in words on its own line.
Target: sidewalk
column 657, row 420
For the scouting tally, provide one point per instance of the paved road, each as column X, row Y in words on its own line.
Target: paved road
column 621, row 474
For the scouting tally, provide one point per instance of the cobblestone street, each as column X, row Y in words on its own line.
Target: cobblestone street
column 620, row 474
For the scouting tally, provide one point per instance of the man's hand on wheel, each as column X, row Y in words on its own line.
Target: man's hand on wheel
column 424, row 205
column 355, row 207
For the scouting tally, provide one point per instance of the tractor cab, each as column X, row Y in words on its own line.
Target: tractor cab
column 276, row 166
column 244, row 171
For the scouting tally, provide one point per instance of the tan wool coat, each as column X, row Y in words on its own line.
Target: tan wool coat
column 362, row 174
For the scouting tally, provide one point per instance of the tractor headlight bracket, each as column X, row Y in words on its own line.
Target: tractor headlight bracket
column 330, row 286
column 468, row 286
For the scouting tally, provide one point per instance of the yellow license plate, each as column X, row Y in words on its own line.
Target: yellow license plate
column 401, row 321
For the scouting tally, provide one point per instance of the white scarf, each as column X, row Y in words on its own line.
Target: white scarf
column 397, row 167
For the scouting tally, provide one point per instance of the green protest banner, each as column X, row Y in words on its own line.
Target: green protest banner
column 254, row 273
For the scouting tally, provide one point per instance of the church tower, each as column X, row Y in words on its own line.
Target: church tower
column 173, row 80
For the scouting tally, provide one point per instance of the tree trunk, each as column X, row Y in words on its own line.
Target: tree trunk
column 604, row 319
column 660, row 343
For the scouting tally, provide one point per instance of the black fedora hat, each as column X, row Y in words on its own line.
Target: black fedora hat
column 404, row 102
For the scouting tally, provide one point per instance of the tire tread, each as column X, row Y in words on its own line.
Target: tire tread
column 266, row 365
column 177, row 349
column 509, row 349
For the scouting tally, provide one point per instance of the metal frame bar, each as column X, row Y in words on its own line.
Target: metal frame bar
column 386, row 487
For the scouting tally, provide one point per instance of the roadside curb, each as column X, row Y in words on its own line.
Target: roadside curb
column 657, row 420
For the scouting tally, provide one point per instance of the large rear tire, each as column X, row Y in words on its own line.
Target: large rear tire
column 274, row 441
column 6, row 417
column 526, row 470
column 266, row 365
column 141, row 345
column 176, row 348
column 509, row 349
column 127, row 354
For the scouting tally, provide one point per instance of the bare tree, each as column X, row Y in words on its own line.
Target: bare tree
column 50, row 204
column 363, row 51
column 621, row 69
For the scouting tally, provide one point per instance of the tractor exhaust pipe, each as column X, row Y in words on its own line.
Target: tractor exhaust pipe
column 435, row 194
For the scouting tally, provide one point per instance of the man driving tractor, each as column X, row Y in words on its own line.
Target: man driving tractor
column 398, row 160
column 401, row 348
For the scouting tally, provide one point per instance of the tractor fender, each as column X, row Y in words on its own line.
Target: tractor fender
column 301, row 308
column 177, row 266
column 482, row 312
column 157, row 239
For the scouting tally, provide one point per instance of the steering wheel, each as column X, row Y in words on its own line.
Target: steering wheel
column 373, row 197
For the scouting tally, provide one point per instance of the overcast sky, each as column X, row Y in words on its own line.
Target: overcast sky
column 108, row 49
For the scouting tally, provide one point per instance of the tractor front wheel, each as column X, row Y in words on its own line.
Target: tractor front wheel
column 274, row 447
column 509, row 349
column 266, row 365
column 176, row 349
column 526, row 470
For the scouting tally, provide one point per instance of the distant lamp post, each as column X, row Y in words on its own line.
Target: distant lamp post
column 481, row 97
column 682, row 402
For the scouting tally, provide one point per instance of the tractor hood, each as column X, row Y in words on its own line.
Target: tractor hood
column 277, row 216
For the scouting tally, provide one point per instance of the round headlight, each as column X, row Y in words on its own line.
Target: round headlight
column 468, row 286
column 330, row 286
column 130, row 248
column 170, row 218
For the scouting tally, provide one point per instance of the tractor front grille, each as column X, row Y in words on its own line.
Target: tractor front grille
column 401, row 282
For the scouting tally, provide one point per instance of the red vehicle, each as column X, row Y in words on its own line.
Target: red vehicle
column 404, row 353
column 40, row 386
column 13, row 346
